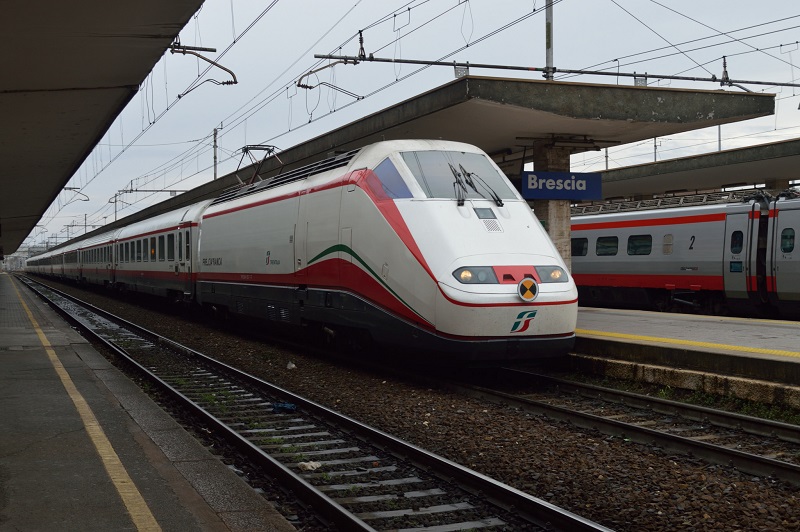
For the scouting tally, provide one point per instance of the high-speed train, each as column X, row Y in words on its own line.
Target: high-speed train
column 422, row 244
column 728, row 257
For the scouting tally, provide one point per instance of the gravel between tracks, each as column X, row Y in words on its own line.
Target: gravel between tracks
column 621, row 485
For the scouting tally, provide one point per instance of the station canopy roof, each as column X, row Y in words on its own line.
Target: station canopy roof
column 507, row 118
column 69, row 68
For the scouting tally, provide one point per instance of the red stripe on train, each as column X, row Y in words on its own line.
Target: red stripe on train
column 668, row 282
column 649, row 222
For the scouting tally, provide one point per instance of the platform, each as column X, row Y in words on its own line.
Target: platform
column 82, row 448
column 767, row 350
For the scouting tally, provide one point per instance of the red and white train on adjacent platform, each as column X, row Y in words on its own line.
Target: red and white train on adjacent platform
column 423, row 244
column 732, row 257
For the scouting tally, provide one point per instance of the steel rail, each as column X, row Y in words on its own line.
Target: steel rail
column 525, row 505
column 720, row 418
column 742, row 461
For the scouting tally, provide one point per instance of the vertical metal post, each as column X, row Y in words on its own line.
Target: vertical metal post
column 548, row 35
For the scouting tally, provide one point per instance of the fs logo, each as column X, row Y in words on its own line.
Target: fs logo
column 524, row 319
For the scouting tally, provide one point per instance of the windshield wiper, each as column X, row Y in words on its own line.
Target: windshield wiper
column 468, row 178
column 458, row 186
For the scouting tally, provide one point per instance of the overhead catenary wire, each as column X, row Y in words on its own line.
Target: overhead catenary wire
column 242, row 118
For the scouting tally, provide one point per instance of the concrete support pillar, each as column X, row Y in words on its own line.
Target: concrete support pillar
column 772, row 183
column 554, row 214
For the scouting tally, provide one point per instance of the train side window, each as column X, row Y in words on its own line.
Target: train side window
column 153, row 248
column 161, row 251
column 180, row 246
column 171, row 247
column 580, row 246
column 127, row 252
column 188, row 247
column 787, row 240
column 606, row 246
column 666, row 248
column 737, row 242
column 138, row 251
column 640, row 244
column 391, row 181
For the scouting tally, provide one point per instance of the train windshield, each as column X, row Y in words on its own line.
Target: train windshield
column 458, row 175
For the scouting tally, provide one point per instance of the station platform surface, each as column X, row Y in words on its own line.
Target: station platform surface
column 755, row 348
column 83, row 449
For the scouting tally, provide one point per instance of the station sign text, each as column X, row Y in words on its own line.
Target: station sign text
column 562, row 185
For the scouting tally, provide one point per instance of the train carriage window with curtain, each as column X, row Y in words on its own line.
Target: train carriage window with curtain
column 787, row 240
column 580, row 246
column 606, row 246
column 640, row 244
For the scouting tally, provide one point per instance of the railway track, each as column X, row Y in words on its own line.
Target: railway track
column 353, row 476
column 752, row 445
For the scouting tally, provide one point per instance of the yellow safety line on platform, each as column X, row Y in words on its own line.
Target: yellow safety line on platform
column 689, row 343
column 134, row 502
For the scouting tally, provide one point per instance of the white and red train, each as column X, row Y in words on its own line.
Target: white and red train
column 423, row 244
column 734, row 256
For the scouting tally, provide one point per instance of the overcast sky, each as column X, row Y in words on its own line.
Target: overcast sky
column 161, row 141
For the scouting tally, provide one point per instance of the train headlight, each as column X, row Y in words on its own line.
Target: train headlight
column 552, row 274
column 475, row 275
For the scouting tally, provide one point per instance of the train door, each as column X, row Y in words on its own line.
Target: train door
column 185, row 250
column 317, row 234
column 783, row 263
column 301, row 236
column 736, row 258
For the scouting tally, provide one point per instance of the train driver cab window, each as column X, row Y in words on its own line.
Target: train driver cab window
column 787, row 240
column 606, row 246
column 737, row 242
column 640, row 244
column 161, row 251
column 580, row 246
column 455, row 175
column 391, row 182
